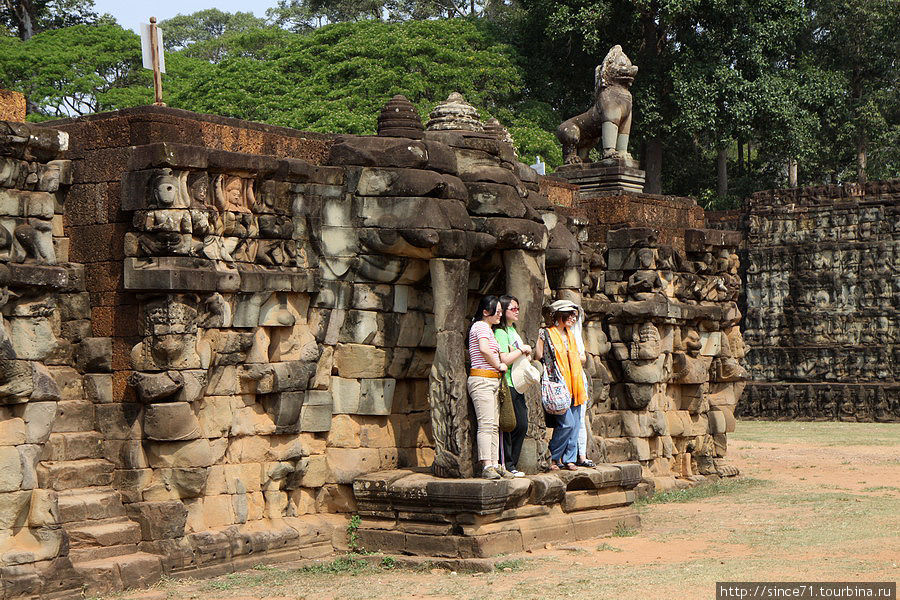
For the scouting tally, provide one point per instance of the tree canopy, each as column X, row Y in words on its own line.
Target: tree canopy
column 728, row 93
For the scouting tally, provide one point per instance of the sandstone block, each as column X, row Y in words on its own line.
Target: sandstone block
column 360, row 361
column 14, row 509
column 316, row 413
column 159, row 520
column 196, row 453
column 376, row 396
column 98, row 388
column 10, row 469
column 171, row 421
column 313, row 471
column 345, row 464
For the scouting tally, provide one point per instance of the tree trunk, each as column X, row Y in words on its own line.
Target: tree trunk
column 23, row 12
column 792, row 173
column 653, row 166
column 861, row 158
column 740, row 162
column 722, row 172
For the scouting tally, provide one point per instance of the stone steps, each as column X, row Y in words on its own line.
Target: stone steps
column 84, row 504
column 93, row 553
column 113, row 574
column 72, row 474
column 117, row 531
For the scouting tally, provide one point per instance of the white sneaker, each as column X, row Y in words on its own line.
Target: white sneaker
column 517, row 473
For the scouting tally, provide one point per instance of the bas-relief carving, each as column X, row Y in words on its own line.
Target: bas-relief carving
column 821, row 304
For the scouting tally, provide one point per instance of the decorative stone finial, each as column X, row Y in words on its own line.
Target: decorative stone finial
column 399, row 118
column 495, row 128
column 454, row 113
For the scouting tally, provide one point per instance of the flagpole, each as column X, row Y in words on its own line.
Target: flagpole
column 154, row 55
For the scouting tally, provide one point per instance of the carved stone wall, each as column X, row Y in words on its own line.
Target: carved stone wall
column 822, row 298
column 255, row 319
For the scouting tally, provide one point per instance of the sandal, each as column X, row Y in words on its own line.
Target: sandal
column 571, row 467
column 554, row 467
column 586, row 463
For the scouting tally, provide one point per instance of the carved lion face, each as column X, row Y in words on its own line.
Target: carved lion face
column 617, row 68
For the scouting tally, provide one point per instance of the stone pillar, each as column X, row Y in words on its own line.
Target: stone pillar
column 525, row 280
column 453, row 440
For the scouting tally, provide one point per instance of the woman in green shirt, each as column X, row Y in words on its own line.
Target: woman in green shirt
column 511, row 348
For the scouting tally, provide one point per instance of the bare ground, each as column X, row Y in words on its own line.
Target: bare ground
column 815, row 502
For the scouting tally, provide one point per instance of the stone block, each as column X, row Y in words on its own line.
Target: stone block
column 335, row 499
column 98, row 388
column 345, row 464
column 316, row 413
column 314, row 472
column 345, row 395
column 171, row 421
column 376, row 396
column 10, row 469
column 94, row 355
column 74, row 416
column 196, row 453
column 360, row 361
column 159, row 520
column 215, row 415
column 14, row 509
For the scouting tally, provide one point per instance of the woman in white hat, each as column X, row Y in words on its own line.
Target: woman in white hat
column 512, row 348
column 558, row 349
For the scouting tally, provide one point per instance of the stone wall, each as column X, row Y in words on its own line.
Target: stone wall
column 224, row 337
column 822, row 296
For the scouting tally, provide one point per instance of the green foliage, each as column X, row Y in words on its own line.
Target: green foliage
column 353, row 533
column 511, row 564
column 344, row 565
column 607, row 548
column 388, row 562
column 623, row 530
column 77, row 70
column 705, row 490
column 29, row 17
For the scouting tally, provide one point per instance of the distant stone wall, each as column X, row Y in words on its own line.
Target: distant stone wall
column 823, row 290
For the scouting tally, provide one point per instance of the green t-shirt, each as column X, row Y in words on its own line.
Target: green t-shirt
column 506, row 339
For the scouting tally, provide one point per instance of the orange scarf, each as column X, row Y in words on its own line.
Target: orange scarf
column 569, row 364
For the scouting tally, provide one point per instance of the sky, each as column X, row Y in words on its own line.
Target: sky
column 129, row 14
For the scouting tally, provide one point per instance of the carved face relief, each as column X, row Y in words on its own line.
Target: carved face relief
column 165, row 190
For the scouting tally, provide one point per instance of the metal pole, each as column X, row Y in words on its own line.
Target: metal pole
column 154, row 54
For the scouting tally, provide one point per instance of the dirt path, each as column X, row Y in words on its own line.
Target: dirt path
column 805, row 510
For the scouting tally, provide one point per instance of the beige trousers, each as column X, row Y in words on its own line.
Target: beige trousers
column 483, row 392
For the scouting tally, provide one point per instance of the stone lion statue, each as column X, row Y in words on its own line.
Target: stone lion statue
column 609, row 119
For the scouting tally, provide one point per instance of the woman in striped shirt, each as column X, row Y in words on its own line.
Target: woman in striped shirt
column 484, row 383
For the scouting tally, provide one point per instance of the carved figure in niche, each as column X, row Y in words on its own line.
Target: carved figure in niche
column 645, row 283
column 275, row 229
column 205, row 223
column 646, row 343
column 36, row 241
column 609, row 119
column 233, row 194
column 170, row 330
column 167, row 230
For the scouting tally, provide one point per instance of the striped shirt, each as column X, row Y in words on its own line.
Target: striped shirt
column 479, row 330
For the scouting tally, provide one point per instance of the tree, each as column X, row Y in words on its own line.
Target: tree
column 76, row 70
column 336, row 78
column 29, row 17
column 205, row 33
column 857, row 39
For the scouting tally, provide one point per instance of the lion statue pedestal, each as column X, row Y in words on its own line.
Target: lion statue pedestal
column 607, row 122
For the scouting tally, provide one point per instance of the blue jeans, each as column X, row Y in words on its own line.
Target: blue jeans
column 564, row 442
